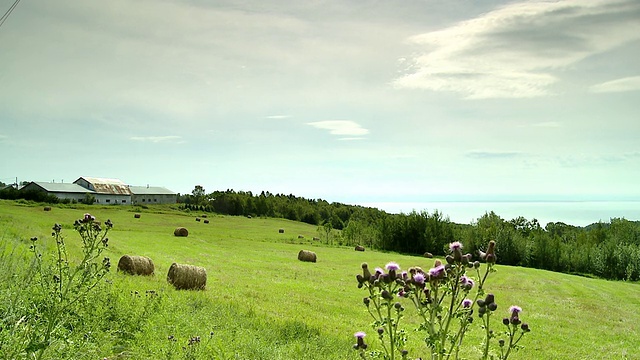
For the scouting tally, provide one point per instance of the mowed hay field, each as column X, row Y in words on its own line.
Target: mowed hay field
column 261, row 302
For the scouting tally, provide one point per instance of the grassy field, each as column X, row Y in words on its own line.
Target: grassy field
column 262, row 303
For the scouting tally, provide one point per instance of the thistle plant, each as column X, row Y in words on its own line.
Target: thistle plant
column 444, row 298
column 64, row 286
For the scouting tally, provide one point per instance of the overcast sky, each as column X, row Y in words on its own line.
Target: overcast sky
column 349, row 101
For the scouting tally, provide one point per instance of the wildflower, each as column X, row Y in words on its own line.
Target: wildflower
column 515, row 310
column 456, row 245
column 525, row 327
column 418, row 278
column 360, row 340
column 391, row 266
column 466, row 303
column 437, row 272
column 466, row 283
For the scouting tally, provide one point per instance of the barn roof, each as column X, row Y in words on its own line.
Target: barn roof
column 107, row 186
column 59, row 187
column 150, row 190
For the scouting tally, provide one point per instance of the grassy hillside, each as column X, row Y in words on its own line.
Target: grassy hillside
column 262, row 303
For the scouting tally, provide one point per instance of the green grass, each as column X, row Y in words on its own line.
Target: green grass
column 262, row 303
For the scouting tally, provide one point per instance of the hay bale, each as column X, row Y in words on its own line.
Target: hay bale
column 197, row 219
column 428, row 255
column 248, row 216
column 187, row 277
column 203, row 215
column 183, row 232
column 137, row 216
column 315, row 238
column 359, row 248
column 306, row 255
column 300, row 236
column 206, row 221
column 136, row 265
column 281, row 231
column 47, row 208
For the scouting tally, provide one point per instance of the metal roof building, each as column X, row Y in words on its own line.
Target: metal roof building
column 105, row 191
column 152, row 195
column 61, row 190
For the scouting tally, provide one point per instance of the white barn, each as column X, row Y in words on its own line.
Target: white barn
column 105, row 191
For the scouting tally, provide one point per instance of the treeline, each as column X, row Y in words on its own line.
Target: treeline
column 609, row 250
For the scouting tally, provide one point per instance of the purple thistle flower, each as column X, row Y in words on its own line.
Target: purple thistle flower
column 437, row 272
column 360, row 334
column 391, row 266
column 466, row 303
column 515, row 310
column 456, row 245
column 379, row 271
column 418, row 278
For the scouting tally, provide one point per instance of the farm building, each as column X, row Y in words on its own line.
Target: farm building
column 152, row 195
column 105, row 191
column 60, row 190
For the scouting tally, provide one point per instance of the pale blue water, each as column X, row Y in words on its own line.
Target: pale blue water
column 578, row 213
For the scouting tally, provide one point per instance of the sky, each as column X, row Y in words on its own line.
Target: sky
column 357, row 102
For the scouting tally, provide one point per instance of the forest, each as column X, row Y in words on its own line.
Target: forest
column 609, row 250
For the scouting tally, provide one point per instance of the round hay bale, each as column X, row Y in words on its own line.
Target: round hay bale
column 183, row 232
column 47, row 208
column 281, row 231
column 187, row 277
column 206, row 221
column 306, row 255
column 359, row 248
column 248, row 216
column 136, row 265
column 428, row 255
column 315, row 238
column 203, row 215
column 197, row 219
column 137, row 216
column 300, row 236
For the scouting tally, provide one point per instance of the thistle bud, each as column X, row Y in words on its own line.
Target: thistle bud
column 493, row 306
column 366, row 274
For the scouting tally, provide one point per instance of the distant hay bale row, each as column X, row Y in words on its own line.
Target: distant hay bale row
column 306, row 255
column 136, row 265
column 203, row 215
column 359, row 248
column 300, row 236
column 187, row 277
column 183, row 232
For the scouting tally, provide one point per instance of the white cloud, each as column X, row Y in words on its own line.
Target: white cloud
column 156, row 139
column 517, row 50
column 340, row 127
column 619, row 85
column 276, row 117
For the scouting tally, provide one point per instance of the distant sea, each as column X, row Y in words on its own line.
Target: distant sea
column 577, row 213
